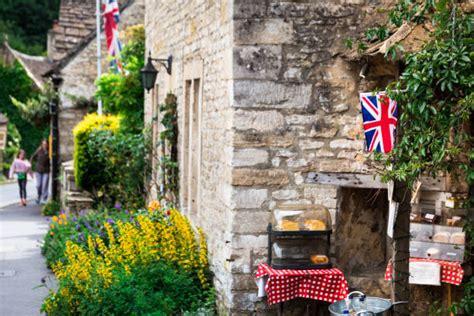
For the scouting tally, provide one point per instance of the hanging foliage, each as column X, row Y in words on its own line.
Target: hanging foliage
column 434, row 91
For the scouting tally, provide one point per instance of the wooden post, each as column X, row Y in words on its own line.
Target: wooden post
column 401, row 241
column 401, row 249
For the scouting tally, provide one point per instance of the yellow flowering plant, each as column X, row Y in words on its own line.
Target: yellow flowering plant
column 152, row 242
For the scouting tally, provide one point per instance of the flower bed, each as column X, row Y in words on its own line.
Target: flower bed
column 120, row 263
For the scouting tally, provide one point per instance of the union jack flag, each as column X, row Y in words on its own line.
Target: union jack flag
column 111, row 16
column 379, row 114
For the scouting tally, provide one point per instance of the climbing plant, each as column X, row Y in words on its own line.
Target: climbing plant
column 435, row 95
column 169, row 148
column 434, row 91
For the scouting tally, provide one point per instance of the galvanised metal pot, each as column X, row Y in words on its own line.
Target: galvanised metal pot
column 375, row 306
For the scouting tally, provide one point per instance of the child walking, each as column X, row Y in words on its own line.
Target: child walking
column 21, row 167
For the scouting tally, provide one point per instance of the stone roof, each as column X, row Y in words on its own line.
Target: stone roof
column 35, row 66
column 81, row 41
column 77, row 20
column 68, row 37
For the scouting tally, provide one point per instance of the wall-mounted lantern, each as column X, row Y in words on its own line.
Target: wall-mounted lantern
column 149, row 72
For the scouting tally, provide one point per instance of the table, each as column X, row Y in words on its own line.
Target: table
column 451, row 272
column 327, row 285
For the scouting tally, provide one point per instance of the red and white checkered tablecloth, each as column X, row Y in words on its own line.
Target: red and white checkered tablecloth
column 328, row 285
column 451, row 272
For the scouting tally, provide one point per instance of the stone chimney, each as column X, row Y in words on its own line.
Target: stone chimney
column 76, row 22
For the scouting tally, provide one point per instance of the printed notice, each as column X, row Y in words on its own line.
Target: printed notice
column 425, row 273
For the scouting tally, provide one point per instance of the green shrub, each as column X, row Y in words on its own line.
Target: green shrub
column 16, row 83
column 123, row 158
column 122, row 93
column 51, row 208
column 156, row 289
column 87, row 171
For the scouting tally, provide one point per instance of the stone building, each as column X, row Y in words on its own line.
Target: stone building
column 72, row 52
column 268, row 113
column 72, row 44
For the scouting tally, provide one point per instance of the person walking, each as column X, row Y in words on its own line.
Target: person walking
column 21, row 167
column 42, row 168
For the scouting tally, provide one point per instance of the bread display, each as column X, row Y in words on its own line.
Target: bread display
column 458, row 238
column 319, row 259
column 442, row 237
column 314, row 224
column 288, row 225
column 299, row 236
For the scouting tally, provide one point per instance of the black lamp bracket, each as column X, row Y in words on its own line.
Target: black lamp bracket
column 166, row 62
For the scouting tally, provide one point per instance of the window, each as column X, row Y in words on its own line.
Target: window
column 191, row 140
column 155, row 124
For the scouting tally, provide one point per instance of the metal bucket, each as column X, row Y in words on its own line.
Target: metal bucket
column 375, row 306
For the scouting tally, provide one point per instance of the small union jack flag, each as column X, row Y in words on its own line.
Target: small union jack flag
column 111, row 14
column 379, row 114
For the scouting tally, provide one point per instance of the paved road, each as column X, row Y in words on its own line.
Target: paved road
column 9, row 193
column 21, row 229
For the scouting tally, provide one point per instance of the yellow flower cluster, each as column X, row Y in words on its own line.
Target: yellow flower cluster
column 147, row 240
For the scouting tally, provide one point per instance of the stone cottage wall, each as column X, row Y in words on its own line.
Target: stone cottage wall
column 296, row 110
column 80, row 74
column 199, row 36
column 278, row 101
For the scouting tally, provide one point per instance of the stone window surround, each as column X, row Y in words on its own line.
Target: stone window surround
column 190, row 151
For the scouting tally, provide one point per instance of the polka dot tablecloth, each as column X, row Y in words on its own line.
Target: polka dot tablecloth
column 451, row 272
column 328, row 285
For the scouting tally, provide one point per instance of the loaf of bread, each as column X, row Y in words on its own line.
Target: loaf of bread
column 432, row 252
column 319, row 259
column 314, row 224
column 442, row 237
column 458, row 238
column 288, row 225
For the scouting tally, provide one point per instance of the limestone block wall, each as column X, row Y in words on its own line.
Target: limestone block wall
column 80, row 74
column 296, row 110
column 199, row 36
column 276, row 102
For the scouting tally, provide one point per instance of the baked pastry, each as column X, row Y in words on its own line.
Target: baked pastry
column 319, row 259
column 432, row 252
column 288, row 225
column 458, row 238
column 314, row 224
column 415, row 217
column 442, row 237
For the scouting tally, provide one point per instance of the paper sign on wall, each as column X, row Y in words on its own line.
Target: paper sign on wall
column 425, row 273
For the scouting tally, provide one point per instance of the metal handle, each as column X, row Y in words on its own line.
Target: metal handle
column 401, row 302
column 351, row 294
column 365, row 313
